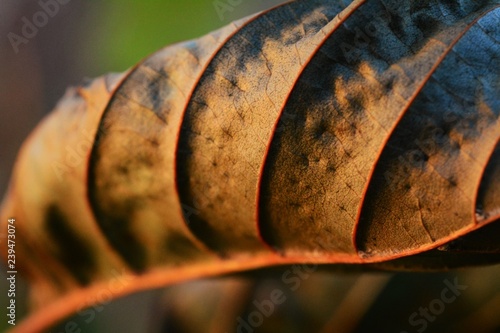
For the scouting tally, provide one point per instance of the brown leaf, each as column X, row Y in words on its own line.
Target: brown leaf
column 326, row 132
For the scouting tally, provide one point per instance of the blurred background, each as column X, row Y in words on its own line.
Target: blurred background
column 86, row 39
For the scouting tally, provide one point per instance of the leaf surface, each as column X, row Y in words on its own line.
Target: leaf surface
column 333, row 132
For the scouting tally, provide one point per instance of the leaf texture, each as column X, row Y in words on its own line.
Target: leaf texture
column 334, row 132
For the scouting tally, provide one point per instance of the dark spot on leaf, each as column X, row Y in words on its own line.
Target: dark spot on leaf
column 72, row 251
column 118, row 230
column 180, row 245
column 116, row 222
column 452, row 181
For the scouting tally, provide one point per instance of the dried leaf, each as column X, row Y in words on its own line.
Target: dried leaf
column 334, row 132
